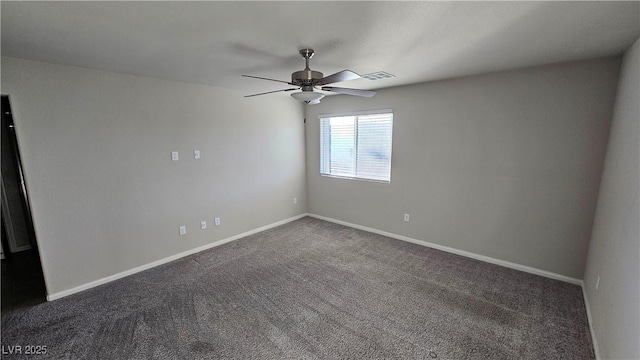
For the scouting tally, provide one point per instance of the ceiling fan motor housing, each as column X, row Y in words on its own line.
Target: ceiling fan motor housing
column 306, row 77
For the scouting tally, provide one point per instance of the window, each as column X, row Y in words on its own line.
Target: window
column 356, row 146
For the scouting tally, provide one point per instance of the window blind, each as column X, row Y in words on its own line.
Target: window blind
column 357, row 146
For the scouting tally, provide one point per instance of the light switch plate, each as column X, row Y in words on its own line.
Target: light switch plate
column 174, row 156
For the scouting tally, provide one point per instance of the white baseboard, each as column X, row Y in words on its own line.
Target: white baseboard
column 468, row 254
column 590, row 319
column 120, row 275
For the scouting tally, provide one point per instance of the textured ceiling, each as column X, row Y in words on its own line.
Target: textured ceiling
column 212, row 43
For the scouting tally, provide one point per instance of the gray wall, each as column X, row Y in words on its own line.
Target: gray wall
column 105, row 195
column 505, row 165
column 614, row 253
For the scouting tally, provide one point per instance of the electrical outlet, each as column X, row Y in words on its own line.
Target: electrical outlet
column 295, row 200
column 203, row 224
column 597, row 282
column 183, row 230
column 216, row 221
column 196, row 154
column 174, row 156
column 406, row 217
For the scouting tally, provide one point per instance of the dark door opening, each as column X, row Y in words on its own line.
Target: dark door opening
column 22, row 278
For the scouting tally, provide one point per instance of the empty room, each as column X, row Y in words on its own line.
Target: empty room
column 320, row 180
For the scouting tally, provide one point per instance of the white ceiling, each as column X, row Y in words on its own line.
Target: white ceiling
column 212, row 43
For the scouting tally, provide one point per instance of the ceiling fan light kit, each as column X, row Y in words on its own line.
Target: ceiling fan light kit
column 307, row 80
column 308, row 96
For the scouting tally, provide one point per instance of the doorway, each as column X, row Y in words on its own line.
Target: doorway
column 22, row 278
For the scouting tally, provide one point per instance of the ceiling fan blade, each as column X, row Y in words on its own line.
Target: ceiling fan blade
column 356, row 92
column 343, row 75
column 271, row 92
column 263, row 78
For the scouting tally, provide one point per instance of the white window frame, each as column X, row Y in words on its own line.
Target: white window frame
column 323, row 161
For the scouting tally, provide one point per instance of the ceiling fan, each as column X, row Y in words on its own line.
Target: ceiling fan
column 307, row 80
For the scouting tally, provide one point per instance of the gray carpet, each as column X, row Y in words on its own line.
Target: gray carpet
column 314, row 290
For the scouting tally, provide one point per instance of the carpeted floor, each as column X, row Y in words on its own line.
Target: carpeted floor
column 317, row 290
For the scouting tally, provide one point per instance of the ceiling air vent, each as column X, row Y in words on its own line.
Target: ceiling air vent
column 378, row 75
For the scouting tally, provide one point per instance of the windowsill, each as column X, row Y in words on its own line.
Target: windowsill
column 356, row 178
